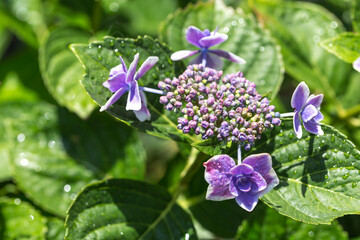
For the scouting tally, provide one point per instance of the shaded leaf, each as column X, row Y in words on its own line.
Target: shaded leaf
column 119, row 208
column 355, row 15
column 55, row 229
column 246, row 39
column 62, row 72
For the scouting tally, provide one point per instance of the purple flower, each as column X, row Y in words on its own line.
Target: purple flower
column 246, row 182
column 356, row 64
column 307, row 110
column 204, row 40
column 123, row 80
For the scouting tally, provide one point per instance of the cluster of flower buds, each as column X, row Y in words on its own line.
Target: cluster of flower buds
column 228, row 108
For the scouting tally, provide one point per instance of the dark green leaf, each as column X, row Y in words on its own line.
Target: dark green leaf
column 355, row 15
column 345, row 46
column 62, row 72
column 319, row 175
column 246, row 39
column 19, row 220
column 212, row 146
column 127, row 209
column 99, row 57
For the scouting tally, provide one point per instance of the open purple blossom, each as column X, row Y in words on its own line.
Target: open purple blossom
column 124, row 80
column 356, row 64
column 307, row 110
column 246, row 182
column 204, row 40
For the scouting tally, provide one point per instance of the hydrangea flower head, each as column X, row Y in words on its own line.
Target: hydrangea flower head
column 122, row 80
column 204, row 40
column 246, row 182
column 307, row 110
column 356, row 64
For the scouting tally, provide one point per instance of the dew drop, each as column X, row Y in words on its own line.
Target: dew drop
column 100, row 57
column 353, row 185
column 21, row 137
column 345, row 176
column 332, row 138
column 187, row 236
column 347, row 154
column 241, row 21
column 261, row 49
column 333, row 25
column 226, row 29
column 24, row 162
column 67, row 188
column 122, row 43
column 295, row 172
column 291, row 135
column 73, row 196
column 111, row 42
column 335, row 181
column 340, row 161
column 322, row 143
column 311, row 234
column 234, row 23
column 32, row 217
column 17, row 201
column 316, row 38
column 326, row 176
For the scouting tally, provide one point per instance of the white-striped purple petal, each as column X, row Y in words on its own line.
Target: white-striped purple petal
column 315, row 100
column 134, row 100
column 300, row 96
column 247, row 201
column 259, row 181
column 213, row 40
column 218, row 193
column 132, row 69
column 217, row 170
column 313, row 127
column 242, row 170
column 272, row 181
column 143, row 114
column 121, row 68
column 113, row 98
column 179, row 55
column 297, row 125
column 356, row 64
column 319, row 117
column 308, row 113
column 149, row 63
column 116, row 82
column 193, row 36
column 261, row 163
column 213, row 61
column 228, row 55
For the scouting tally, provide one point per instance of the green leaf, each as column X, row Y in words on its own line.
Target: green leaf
column 21, row 221
column 55, row 229
column 345, row 46
column 298, row 28
column 54, row 154
column 319, row 175
column 246, row 39
column 5, row 38
column 99, row 57
column 212, row 146
column 127, row 209
column 267, row 224
column 62, row 72
column 355, row 15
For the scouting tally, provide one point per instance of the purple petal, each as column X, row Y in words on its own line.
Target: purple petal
column 121, row 68
column 198, row 59
column 247, row 200
column 193, row 36
column 149, row 63
column 132, row 69
column 213, row 61
column 300, row 96
column 228, row 55
column 242, row 170
column 261, row 163
column 218, row 193
column 315, row 100
column 143, row 114
column 113, row 98
column 356, row 64
column 217, row 168
column 313, row 127
column 134, row 100
column 319, row 117
column 244, row 185
column 297, row 125
column 239, row 184
column 260, row 182
column 272, row 181
column 176, row 56
column 212, row 40
column 308, row 113
column 116, row 82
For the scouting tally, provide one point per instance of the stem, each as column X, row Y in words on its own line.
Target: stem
column 151, row 90
column 239, row 154
column 289, row 114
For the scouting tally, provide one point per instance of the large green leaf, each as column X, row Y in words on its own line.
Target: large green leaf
column 298, row 27
column 319, row 175
column 99, row 57
column 127, row 209
column 267, row 224
column 54, row 153
column 355, row 15
column 345, row 46
column 246, row 39
column 55, row 229
column 19, row 220
column 62, row 72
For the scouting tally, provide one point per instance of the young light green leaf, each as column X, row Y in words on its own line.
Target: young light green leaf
column 54, row 154
column 245, row 39
column 355, row 15
column 319, row 175
column 19, row 220
column 55, row 229
column 99, row 57
column 127, row 209
column 62, row 72
column 345, row 46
